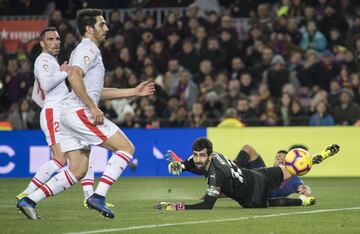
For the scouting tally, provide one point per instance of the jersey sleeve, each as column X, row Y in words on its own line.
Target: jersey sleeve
column 49, row 74
column 83, row 58
column 215, row 181
column 190, row 167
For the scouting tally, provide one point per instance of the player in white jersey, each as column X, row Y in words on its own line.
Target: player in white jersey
column 48, row 92
column 83, row 123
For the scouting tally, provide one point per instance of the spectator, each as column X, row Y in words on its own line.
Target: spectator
column 321, row 116
column 297, row 114
column 277, row 76
column 347, row 112
column 179, row 118
column 188, row 57
column 237, row 67
column 333, row 19
column 206, row 69
column 312, row 38
column 230, row 120
column 173, row 44
column 285, row 108
column 23, row 117
column 172, row 77
column 187, row 90
column 244, row 112
column 269, row 117
column 325, row 70
column 198, row 117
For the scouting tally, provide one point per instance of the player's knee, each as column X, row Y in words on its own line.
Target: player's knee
column 130, row 148
column 251, row 152
column 79, row 173
column 60, row 159
column 247, row 148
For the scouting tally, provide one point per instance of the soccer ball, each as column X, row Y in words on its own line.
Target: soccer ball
column 298, row 161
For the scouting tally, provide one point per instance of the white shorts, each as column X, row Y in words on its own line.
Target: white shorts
column 79, row 132
column 50, row 124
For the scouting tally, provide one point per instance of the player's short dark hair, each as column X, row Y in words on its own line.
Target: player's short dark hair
column 298, row 146
column 47, row 29
column 202, row 143
column 87, row 17
column 282, row 152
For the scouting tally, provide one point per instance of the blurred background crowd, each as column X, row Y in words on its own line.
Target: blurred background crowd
column 296, row 65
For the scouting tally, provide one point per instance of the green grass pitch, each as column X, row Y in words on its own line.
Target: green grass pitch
column 134, row 199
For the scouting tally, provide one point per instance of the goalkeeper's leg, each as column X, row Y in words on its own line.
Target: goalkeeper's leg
column 287, row 201
column 328, row 152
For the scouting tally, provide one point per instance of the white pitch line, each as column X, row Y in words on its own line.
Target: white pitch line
column 212, row 221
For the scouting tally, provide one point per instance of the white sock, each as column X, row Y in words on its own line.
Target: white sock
column 43, row 174
column 56, row 184
column 88, row 183
column 116, row 165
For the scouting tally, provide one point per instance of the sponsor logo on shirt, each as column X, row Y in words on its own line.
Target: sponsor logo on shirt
column 86, row 60
column 45, row 67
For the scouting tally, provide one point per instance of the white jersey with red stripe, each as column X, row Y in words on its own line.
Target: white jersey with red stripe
column 48, row 92
column 87, row 57
column 49, row 87
column 78, row 130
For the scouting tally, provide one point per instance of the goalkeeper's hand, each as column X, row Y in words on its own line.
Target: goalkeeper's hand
column 175, row 168
column 169, row 206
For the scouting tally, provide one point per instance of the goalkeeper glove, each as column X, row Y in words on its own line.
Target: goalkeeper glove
column 175, row 168
column 169, row 206
column 171, row 157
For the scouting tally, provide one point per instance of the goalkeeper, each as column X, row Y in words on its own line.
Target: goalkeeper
column 249, row 188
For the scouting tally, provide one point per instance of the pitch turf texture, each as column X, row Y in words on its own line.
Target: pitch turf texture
column 337, row 210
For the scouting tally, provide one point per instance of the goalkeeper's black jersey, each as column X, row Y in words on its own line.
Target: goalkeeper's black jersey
column 224, row 176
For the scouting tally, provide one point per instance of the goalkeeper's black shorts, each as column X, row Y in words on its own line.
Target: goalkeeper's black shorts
column 265, row 180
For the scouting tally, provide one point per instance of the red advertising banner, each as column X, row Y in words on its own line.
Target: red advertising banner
column 24, row 31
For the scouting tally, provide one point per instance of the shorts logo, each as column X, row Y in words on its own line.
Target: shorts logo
column 86, row 60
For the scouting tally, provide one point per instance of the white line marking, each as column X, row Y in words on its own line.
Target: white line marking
column 212, row 221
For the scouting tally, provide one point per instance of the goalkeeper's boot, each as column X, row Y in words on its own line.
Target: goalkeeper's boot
column 27, row 207
column 98, row 203
column 21, row 195
column 307, row 201
column 108, row 204
column 328, row 152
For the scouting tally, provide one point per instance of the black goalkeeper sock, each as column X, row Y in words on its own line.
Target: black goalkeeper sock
column 242, row 159
column 284, row 201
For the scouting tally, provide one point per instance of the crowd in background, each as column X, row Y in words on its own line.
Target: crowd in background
column 298, row 66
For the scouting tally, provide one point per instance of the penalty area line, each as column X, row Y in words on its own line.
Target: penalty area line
column 213, row 221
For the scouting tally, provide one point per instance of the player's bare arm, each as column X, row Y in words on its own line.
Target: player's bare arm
column 143, row 89
column 77, row 84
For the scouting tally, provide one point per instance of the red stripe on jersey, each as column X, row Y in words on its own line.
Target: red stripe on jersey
column 36, row 182
column 68, row 177
column 59, row 164
column 123, row 157
column 49, row 115
column 106, row 181
column 92, row 127
column 40, row 90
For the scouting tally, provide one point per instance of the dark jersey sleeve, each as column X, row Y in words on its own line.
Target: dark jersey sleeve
column 215, row 180
column 190, row 167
